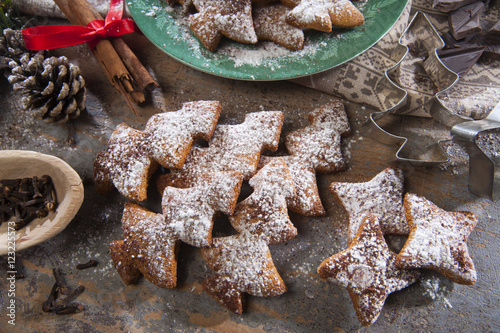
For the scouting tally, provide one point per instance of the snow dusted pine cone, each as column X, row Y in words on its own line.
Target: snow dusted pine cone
column 12, row 44
column 52, row 87
column 11, row 47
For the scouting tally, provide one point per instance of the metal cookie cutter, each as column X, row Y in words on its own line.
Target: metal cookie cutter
column 484, row 171
column 398, row 101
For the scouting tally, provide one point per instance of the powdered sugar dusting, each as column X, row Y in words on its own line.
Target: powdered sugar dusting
column 133, row 155
column 367, row 269
column 150, row 244
column 231, row 148
column 264, row 213
column 190, row 212
column 438, row 240
column 316, row 147
column 246, row 261
column 382, row 195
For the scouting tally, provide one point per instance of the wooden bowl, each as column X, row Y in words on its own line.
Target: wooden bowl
column 16, row 164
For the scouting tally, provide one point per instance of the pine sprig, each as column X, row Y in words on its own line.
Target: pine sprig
column 10, row 17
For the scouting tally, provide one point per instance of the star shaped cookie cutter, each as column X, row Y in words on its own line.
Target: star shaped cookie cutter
column 397, row 101
column 484, row 170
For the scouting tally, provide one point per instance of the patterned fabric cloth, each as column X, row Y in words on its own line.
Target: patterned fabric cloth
column 475, row 95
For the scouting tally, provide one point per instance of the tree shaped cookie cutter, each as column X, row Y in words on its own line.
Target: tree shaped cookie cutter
column 484, row 177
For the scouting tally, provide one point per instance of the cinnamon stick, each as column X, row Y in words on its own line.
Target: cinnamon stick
column 140, row 74
column 80, row 12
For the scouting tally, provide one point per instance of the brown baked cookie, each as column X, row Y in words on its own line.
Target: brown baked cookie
column 191, row 211
column 125, row 165
column 438, row 240
column 367, row 269
column 151, row 240
column 264, row 213
column 172, row 134
column 242, row 264
column 290, row 3
column 151, row 245
column 133, row 156
column 217, row 18
column 270, row 24
column 315, row 148
column 322, row 15
column 231, row 148
column 124, row 264
column 382, row 195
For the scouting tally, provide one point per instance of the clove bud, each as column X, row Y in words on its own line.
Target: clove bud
column 90, row 263
column 26, row 199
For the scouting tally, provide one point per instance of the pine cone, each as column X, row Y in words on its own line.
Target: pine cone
column 53, row 88
column 12, row 44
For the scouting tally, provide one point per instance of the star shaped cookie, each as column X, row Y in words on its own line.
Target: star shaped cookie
column 438, row 240
column 217, row 18
column 322, row 15
column 367, row 269
column 382, row 195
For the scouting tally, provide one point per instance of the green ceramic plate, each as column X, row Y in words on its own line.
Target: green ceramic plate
column 166, row 28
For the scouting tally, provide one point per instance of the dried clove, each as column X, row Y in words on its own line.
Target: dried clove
column 69, row 309
column 36, row 190
column 48, row 304
column 72, row 295
column 61, row 281
column 62, row 306
column 26, row 199
column 90, row 263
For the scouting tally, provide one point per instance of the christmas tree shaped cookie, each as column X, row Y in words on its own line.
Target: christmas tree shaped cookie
column 133, row 156
column 151, row 239
column 270, row 24
column 322, row 15
column 243, row 263
column 315, row 148
column 217, row 18
column 231, row 148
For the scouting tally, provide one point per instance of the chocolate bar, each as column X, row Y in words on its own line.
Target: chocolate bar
column 465, row 21
column 490, row 42
column 495, row 29
column 451, row 5
column 460, row 59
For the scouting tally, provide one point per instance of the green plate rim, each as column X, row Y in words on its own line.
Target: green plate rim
column 160, row 24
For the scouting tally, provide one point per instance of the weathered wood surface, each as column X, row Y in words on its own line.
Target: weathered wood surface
column 434, row 304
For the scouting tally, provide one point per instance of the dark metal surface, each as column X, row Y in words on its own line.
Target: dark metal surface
column 434, row 304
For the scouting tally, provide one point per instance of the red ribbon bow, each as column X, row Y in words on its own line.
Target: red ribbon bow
column 57, row 36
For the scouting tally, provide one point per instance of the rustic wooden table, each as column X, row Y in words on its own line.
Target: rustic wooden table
column 433, row 304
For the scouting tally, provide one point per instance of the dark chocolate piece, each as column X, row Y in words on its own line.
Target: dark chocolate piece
column 465, row 21
column 450, row 5
column 491, row 43
column 461, row 59
column 495, row 29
